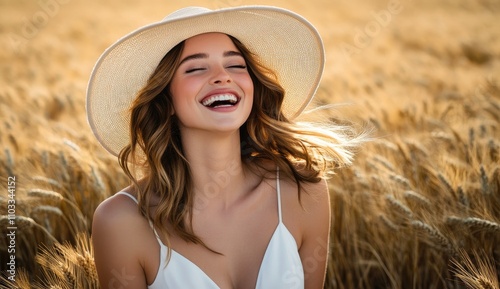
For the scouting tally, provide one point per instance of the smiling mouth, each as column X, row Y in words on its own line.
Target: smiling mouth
column 221, row 100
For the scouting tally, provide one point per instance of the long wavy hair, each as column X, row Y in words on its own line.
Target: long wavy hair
column 303, row 152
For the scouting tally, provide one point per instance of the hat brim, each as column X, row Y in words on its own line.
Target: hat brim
column 283, row 41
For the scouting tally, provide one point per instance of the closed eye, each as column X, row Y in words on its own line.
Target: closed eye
column 238, row 66
column 194, row 69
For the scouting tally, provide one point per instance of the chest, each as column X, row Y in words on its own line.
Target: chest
column 281, row 267
column 236, row 241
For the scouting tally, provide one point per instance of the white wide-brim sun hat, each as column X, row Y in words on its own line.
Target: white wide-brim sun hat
column 282, row 40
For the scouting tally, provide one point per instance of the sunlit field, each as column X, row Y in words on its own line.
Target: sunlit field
column 419, row 208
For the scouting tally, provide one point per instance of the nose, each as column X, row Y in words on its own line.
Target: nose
column 220, row 76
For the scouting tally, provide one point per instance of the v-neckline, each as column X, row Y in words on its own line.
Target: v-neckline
column 203, row 273
column 192, row 264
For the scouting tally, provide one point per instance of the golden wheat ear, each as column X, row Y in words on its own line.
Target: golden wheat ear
column 477, row 271
column 63, row 266
column 66, row 266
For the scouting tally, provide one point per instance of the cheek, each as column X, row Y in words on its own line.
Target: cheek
column 181, row 106
column 182, row 91
column 246, row 84
column 178, row 102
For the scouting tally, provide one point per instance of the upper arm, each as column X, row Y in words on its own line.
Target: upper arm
column 316, row 233
column 115, row 247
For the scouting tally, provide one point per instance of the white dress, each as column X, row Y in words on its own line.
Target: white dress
column 281, row 267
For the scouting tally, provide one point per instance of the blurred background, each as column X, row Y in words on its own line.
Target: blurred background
column 420, row 208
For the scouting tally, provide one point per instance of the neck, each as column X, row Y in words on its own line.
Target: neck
column 216, row 167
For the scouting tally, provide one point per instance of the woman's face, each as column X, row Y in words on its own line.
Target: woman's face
column 212, row 89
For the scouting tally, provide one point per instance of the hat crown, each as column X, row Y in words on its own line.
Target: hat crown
column 186, row 12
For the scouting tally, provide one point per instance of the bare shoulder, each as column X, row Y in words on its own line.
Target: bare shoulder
column 314, row 200
column 117, row 230
column 116, row 210
column 309, row 212
column 312, row 194
column 309, row 222
column 118, row 217
column 315, row 193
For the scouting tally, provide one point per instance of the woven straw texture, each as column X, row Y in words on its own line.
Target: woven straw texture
column 283, row 41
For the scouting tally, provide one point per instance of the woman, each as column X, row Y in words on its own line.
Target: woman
column 227, row 191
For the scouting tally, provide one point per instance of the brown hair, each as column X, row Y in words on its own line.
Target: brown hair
column 302, row 154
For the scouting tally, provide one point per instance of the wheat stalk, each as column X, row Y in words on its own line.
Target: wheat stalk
column 375, row 122
column 404, row 152
column 85, row 258
column 434, row 235
column 400, row 180
column 98, row 179
column 70, row 267
column 472, row 135
column 41, row 214
column 493, row 150
column 22, row 280
column 57, row 269
column 412, row 195
column 45, row 159
column 46, row 194
column 55, row 196
column 457, row 137
column 483, row 129
column 64, row 165
column 453, row 220
column 486, row 283
column 481, row 224
column 417, row 146
column 442, row 136
column 44, row 209
column 386, row 144
column 398, row 206
column 484, row 181
column 495, row 182
column 463, row 198
column 69, row 275
column 446, row 184
column 384, row 162
column 481, row 275
column 388, row 222
column 23, row 222
column 10, row 162
column 494, row 112
column 473, row 222
column 27, row 222
column 48, row 181
column 377, row 180
column 71, row 144
column 86, row 262
column 13, row 141
column 370, row 165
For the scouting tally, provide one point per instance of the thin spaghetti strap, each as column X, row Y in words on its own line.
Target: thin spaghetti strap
column 128, row 195
column 280, row 219
column 156, row 233
column 137, row 202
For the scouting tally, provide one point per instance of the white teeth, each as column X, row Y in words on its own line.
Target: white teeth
column 221, row 97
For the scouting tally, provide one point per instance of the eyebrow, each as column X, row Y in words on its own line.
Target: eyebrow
column 205, row 55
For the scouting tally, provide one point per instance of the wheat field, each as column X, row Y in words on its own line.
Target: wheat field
column 420, row 207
